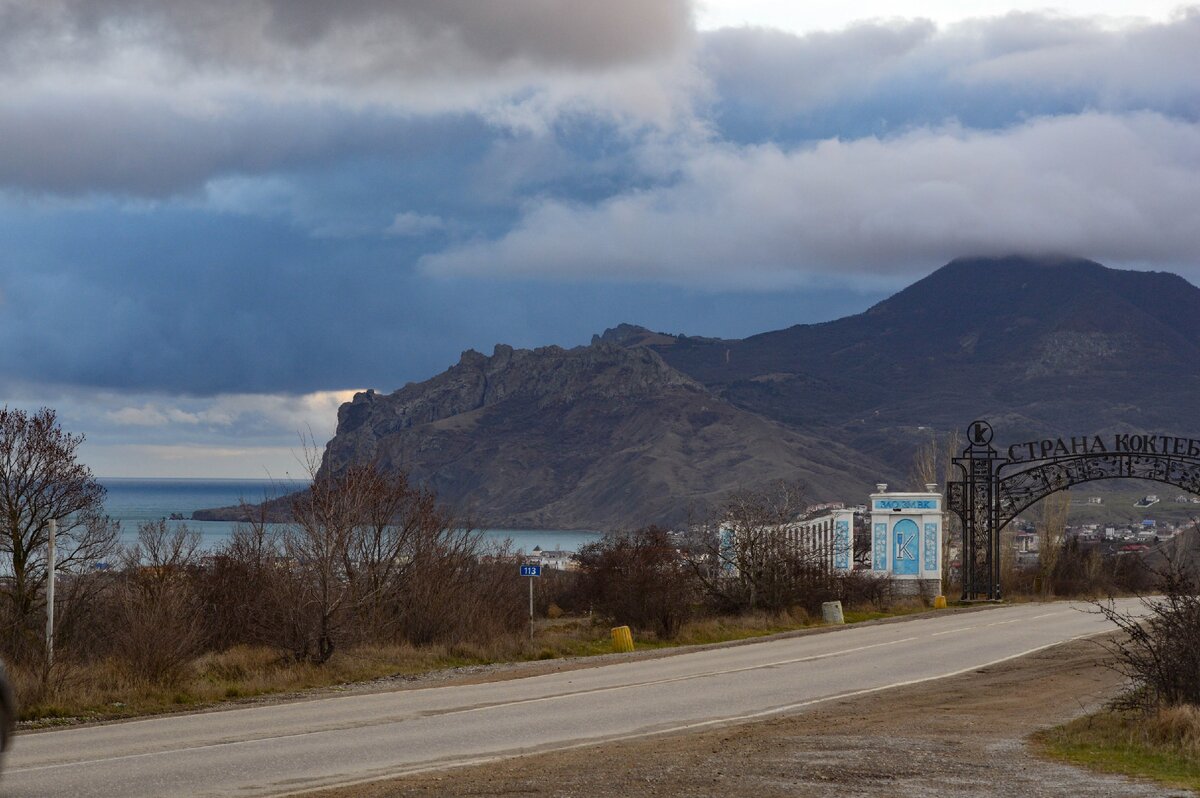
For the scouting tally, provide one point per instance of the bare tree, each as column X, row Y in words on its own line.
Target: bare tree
column 933, row 462
column 159, row 627
column 317, row 547
column 398, row 523
column 1159, row 650
column 239, row 587
column 1052, row 530
column 926, row 466
column 750, row 555
column 638, row 578
column 368, row 556
column 40, row 480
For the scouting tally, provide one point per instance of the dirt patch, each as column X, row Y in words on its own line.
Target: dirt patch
column 962, row 736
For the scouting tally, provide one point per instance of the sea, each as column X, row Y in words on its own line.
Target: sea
column 134, row 501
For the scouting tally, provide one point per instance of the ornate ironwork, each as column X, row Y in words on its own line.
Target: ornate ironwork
column 986, row 500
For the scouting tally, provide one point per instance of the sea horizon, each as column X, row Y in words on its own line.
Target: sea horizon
column 136, row 500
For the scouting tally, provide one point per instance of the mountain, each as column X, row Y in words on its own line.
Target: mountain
column 1039, row 346
column 594, row 437
column 642, row 427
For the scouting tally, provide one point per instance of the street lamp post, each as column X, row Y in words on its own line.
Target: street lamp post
column 50, row 555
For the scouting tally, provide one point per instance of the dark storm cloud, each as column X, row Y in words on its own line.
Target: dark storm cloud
column 207, row 305
column 118, row 145
column 222, row 197
column 150, row 98
column 350, row 39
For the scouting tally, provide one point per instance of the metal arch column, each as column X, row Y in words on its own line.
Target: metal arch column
column 976, row 500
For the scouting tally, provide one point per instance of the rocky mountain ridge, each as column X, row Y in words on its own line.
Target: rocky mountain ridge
column 641, row 426
column 594, row 437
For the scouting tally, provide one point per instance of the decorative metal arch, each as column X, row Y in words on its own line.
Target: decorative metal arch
column 986, row 499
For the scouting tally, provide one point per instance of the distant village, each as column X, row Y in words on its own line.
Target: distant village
column 1112, row 538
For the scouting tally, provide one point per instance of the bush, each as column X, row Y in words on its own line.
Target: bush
column 158, row 615
column 640, row 579
column 1160, row 650
column 865, row 588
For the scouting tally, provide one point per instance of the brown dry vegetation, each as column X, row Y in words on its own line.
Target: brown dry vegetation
column 108, row 689
column 1153, row 729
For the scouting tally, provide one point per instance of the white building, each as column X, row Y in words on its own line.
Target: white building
column 827, row 541
column 550, row 558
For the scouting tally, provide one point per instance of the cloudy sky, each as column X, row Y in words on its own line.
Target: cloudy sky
column 219, row 219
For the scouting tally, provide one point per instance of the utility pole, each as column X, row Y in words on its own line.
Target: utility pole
column 50, row 592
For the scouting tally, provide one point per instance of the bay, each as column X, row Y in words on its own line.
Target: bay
column 134, row 501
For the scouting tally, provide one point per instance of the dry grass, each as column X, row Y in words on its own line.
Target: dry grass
column 1163, row 745
column 106, row 690
column 1177, row 728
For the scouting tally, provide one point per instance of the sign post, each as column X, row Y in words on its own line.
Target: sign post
column 531, row 571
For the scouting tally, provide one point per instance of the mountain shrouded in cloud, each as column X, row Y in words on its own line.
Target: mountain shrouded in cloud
column 206, row 200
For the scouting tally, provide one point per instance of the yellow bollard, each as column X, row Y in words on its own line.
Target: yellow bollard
column 622, row 639
column 939, row 603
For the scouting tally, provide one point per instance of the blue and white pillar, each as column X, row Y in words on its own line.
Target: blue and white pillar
column 906, row 539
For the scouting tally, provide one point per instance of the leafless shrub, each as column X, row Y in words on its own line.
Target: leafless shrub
column 158, row 628
column 458, row 591
column 1160, row 649
column 560, row 591
column 238, row 586
column 864, row 588
column 746, row 558
column 639, row 578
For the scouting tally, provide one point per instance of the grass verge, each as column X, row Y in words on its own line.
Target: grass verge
column 1163, row 747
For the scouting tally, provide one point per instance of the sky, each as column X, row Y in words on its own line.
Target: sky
column 219, row 220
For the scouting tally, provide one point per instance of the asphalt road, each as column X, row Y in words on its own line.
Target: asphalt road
column 286, row 748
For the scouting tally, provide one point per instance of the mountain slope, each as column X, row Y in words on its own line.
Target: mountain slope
column 594, row 437
column 1039, row 345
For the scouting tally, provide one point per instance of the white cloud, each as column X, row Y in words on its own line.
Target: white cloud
column 229, row 435
column 194, row 461
column 410, row 224
column 825, row 15
column 1117, row 188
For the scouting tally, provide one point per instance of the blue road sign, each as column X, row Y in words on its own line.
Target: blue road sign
column 531, row 570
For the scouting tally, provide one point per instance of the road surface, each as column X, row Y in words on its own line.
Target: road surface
column 289, row 748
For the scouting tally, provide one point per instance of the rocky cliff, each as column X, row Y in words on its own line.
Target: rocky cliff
column 596, row 437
